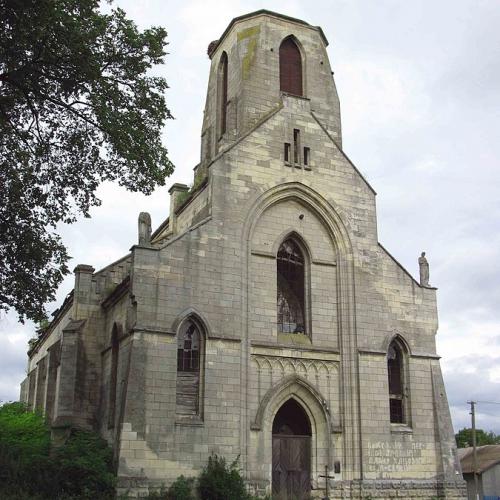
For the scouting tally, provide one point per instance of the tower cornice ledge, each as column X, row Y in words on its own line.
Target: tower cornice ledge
column 262, row 12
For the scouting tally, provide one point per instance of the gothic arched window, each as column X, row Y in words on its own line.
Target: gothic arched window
column 291, row 296
column 189, row 356
column 395, row 371
column 222, row 93
column 290, row 67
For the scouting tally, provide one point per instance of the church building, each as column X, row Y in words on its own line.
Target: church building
column 262, row 319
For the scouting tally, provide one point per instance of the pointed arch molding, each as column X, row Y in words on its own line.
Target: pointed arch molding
column 289, row 387
column 192, row 314
column 325, row 211
column 292, row 233
column 396, row 336
column 328, row 214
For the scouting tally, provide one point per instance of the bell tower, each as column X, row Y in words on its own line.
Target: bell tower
column 261, row 58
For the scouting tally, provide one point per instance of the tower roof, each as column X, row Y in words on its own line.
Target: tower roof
column 213, row 46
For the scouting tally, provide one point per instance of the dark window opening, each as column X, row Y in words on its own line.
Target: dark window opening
column 287, row 152
column 188, row 370
column 395, row 374
column 307, row 154
column 223, row 93
column 291, row 419
column 188, row 350
column 113, row 378
column 296, row 146
column 290, row 300
column 290, row 68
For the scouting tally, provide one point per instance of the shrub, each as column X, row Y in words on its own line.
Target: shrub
column 218, row 481
column 30, row 469
column 160, row 494
column 181, row 489
column 84, row 466
column 24, row 443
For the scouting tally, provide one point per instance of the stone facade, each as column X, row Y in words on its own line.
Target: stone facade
column 109, row 360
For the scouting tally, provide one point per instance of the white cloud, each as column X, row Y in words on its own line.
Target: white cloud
column 204, row 22
column 420, row 108
column 381, row 93
column 13, row 358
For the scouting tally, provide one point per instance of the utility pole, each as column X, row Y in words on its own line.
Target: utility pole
column 474, row 447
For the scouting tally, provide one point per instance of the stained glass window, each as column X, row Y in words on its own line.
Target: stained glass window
column 290, row 299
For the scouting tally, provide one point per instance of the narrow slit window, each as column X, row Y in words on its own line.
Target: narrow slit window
column 113, row 381
column 395, row 374
column 307, row 154
column 287, row 152
column 296, row 146
column 223, row 93
column 290, row 299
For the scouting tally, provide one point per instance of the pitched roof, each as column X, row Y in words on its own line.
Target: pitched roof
column 487, row 456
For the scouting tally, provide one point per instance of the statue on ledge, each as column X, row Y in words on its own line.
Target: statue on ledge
column 424, row 270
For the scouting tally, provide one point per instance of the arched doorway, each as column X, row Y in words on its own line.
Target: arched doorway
column 291, row 452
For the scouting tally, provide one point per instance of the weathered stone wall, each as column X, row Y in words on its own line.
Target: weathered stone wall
column 359, row 298
column 196, row 211
column 252, row 46
column 115, row 320
column 156, row 442
column 79, row 336
column 219, row 269
column 52, row 338
column 40, row 390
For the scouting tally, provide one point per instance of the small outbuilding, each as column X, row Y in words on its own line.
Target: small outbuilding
column 488, row 469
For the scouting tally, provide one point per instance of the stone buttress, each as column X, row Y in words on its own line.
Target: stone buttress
column 264, row 300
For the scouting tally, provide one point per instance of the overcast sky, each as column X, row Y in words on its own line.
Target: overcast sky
column 419, row 87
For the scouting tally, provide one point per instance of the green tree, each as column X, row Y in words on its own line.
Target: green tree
column 464, row 438
column 78, row 106
column 24, row 439
column 81, row 467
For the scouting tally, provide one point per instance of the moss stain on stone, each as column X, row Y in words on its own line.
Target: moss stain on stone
column 251, row 33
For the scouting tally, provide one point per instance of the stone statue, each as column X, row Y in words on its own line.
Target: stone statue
column 424, row 270
column 144, row 228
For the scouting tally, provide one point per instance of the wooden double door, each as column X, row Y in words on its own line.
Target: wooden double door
column 291, row 467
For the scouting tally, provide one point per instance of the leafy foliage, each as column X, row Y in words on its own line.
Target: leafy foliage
column 181, row 489
column 24, row 439
column 84, row 466
column 464, row 438
column 80, row 468
column 78, row 106
column 219, row 481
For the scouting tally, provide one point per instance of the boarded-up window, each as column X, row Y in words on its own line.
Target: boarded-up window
column 188, row 369
column 290, row 68
column 290, row 287
column 223, row 93
column 395, row 374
